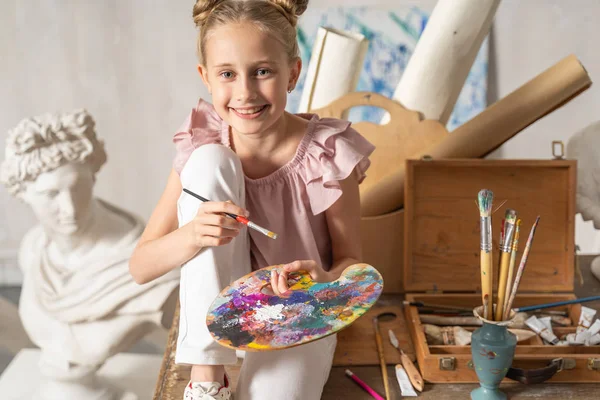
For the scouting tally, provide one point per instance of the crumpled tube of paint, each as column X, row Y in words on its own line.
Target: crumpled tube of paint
column 585, row 318
column 406, row 388
column 582, row 338
column 576, row 339
column 538, row 327
column 595, row 328
column 594, row 340
column 547, row 321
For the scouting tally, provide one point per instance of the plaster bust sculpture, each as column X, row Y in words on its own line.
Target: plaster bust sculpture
column 584, row 146
column 78, row 303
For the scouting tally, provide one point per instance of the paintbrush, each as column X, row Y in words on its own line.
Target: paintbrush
column 524, row 257
column 445, row 312
column 382, row 364
column 411, row 370
column 420, row 304
column 485, row 199
column 511, row 270
column 239, row 218
column 558, row 303
column 510, row 217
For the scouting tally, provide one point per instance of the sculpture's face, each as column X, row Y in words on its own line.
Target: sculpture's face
column 61, row 199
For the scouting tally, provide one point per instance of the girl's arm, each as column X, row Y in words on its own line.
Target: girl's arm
column 164, row 247
column 343, row 220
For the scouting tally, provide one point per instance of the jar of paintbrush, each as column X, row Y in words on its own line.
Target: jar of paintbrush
column 492, row 350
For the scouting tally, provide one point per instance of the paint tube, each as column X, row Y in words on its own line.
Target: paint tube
column 583, row 337
column 572, row 339
column 585, row 318
column 562, row 343
column 547, row 321
column 538, row 327
column 594, row 340
column 406, row 387
column 595, row 328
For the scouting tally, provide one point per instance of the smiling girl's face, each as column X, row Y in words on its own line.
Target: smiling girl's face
column 248, row 74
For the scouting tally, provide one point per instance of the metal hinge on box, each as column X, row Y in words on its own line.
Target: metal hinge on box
column 565, row 363
column 447, row 363
column 594, row 364
column 558, row 155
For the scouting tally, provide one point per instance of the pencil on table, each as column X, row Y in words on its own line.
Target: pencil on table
column 511, row 269
column 485, row 199
column 524, row 257
column 505, row 250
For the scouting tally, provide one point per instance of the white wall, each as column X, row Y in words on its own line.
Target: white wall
column 131, row 63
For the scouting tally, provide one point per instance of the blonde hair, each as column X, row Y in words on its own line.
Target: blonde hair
column 275, row 17
column 49, row 141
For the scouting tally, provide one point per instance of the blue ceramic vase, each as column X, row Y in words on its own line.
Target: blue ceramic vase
column 492, row 351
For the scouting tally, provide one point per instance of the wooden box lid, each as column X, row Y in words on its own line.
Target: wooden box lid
column 441, row 228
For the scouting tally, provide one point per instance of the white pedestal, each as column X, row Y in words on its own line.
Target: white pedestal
column 133, row 374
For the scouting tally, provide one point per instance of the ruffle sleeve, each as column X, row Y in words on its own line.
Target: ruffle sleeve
column 202, row 126
column 335, row 151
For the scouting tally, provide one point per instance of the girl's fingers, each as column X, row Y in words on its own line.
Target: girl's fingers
column 222, row 207
column 214, row 241
column 274, row 281
column 218, row 232
column 219, row 220
column 282, row 285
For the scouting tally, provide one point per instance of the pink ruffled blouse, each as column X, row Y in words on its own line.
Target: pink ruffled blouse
column 291, row 201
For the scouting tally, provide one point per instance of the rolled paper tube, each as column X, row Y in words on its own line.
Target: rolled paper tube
column 334, row 68
column 517, row 323
column 488, row 130
column 443, row 57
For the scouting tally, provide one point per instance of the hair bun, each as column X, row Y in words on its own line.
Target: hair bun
column 202, row 10
column 292, row 8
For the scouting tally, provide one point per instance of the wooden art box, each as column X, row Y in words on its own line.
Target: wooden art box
column 442, row 255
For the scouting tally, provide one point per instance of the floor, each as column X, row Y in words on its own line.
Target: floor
column 13, row 338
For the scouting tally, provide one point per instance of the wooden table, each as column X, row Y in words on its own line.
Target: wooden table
column 173, row 378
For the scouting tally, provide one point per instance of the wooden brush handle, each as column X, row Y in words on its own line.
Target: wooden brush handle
column 487, row 282
column 502, row 278
column 381, row 358
column 413, row 373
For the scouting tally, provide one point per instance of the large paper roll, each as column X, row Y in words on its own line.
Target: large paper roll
column 488, row 130
column 334, row 69
column 443, row 57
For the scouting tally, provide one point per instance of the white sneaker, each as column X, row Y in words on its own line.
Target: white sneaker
column 207, row 391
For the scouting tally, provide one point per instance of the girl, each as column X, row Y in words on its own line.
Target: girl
column 297, row 175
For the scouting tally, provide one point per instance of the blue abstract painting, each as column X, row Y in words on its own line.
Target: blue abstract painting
column 393, row 36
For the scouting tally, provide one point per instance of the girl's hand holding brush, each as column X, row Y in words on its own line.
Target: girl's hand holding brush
column 211, row 227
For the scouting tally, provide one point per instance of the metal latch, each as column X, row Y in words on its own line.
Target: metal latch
column 561, row 147
column 426, row 157
column 565, row 363
column 594, row 364
column 447, row 363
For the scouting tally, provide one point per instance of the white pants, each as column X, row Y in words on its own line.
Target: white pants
column 215, row 172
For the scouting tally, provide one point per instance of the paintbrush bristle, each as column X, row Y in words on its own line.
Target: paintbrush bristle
column 485, row 201
column 510, row 217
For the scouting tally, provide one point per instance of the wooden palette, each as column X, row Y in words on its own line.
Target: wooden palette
column 245, row 316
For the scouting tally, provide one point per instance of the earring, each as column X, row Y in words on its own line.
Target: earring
column 290, row 90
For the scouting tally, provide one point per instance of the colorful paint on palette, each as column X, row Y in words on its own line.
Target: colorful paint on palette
column 247, row 316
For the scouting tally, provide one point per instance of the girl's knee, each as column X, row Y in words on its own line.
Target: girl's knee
column 212, row 163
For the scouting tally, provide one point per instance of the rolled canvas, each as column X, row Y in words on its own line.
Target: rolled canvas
column 443, row 57
column 334, row 68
